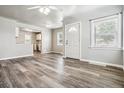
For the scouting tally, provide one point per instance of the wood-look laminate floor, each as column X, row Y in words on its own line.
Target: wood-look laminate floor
column 51, row 70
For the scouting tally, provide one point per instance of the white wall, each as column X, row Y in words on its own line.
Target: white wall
column 123, row 37
column 8, row 46
column 101, row 55
column 55, row 48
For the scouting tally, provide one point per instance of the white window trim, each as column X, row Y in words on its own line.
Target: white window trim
column 92, row 43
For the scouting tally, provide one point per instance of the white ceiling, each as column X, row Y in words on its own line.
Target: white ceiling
column 34, row 17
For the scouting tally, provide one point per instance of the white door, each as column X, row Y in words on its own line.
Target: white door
column 72, row 40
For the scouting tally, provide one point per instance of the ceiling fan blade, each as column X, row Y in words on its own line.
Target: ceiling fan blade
column 35, row 7
column 52, row 7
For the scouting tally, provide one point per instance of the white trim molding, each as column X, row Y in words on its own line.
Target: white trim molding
column 57, row 52
column 118, row 37
column 45, row 52
column 101, row 63
column 51, row 52
column 16, row 57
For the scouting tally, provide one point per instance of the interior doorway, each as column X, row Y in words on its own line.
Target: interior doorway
column 37, row 42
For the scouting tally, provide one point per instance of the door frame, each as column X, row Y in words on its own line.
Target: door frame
column 79, row 38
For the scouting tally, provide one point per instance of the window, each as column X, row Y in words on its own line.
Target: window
column 59, row 38
column 106, row 32
column 20, row 38
column 28, row 36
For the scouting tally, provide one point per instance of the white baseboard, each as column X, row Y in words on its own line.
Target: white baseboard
column 15, row 57
column 52, row 52
column 45, row 52
column 57, row 52
column 102, row 63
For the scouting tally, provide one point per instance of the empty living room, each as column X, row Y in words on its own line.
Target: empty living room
column 61, row 46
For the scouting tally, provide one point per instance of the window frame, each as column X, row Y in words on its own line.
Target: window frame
column 119, row 36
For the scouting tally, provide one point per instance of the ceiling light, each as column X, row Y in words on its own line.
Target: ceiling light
column 45, row 10
column 41, row 10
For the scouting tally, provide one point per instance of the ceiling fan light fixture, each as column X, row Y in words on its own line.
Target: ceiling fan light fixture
column 45, row 10
column 41, row 10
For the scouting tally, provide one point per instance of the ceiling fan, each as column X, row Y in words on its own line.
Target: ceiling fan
column 46, row 9
column 43, row 9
